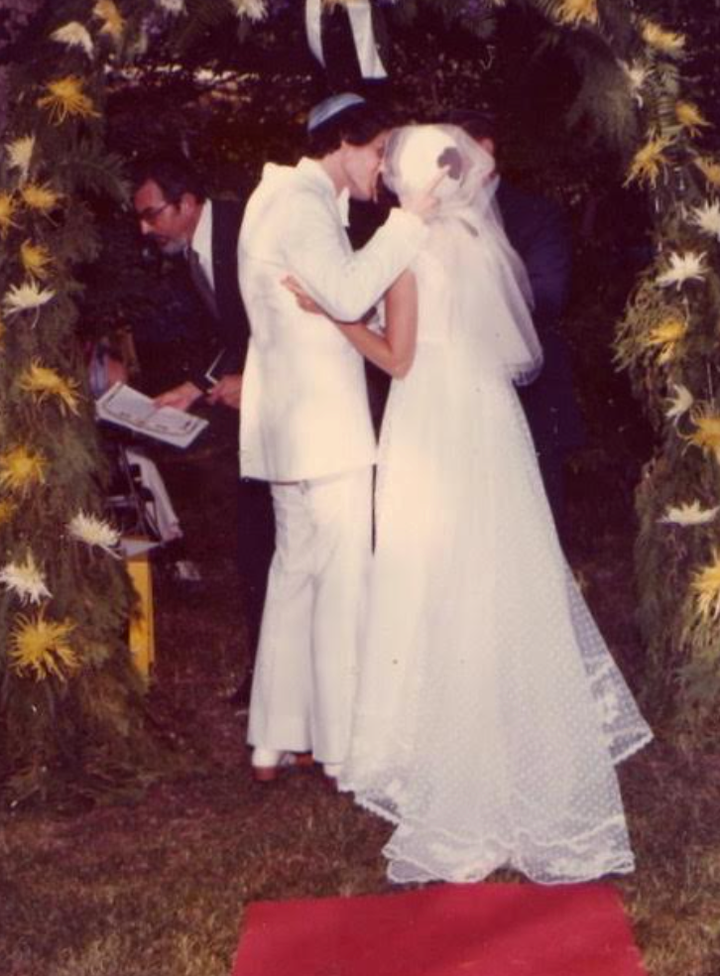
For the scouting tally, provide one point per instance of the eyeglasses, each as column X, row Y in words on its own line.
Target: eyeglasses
column 150, row 214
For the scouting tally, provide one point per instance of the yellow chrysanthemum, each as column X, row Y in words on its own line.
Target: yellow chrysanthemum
column 707, row 430
column 7, row 510
column 577, row 11
column 666, row 336
column 42, row 647
column 41, row 197
column 35, row 259
column 66, row 97
column 706, row 587
column 21, row 469
column 8, row 209
column 20, row 153
column 709, row 168
column 43, row 382
column 113, row 20
column 662, row 40
column 648, row 161
column 690, row 117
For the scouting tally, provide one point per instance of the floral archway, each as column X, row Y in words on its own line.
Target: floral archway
column 68, row 692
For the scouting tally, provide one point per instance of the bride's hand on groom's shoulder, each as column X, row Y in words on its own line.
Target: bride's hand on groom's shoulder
column 306, row 303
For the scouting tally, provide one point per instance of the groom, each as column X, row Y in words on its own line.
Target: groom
column 305, row 424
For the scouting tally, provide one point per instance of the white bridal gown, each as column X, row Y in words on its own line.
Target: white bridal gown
column 490, row 715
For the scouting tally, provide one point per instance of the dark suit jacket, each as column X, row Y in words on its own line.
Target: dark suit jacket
column 537, row 229
column 227, row 335
column 342, row 66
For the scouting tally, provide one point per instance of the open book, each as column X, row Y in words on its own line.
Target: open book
column 129, row 408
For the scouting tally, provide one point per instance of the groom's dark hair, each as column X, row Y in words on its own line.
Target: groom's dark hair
column 357, row 125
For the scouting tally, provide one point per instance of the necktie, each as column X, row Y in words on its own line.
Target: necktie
column 200, row 280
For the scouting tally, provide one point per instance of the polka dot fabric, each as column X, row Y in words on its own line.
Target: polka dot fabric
column 490, row 713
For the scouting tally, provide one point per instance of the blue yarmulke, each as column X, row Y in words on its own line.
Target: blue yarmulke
column 330, row 107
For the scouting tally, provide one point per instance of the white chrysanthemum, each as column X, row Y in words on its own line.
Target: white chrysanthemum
column 172, row 6
column 637, row 75
column 707, row 218
column 93, row 531
column 22, row 298
column 19, row 154
column 252, row 9
column 689, row 514
column 688, row 266
column 25, row 580
column 680, row 403
column 74, row 34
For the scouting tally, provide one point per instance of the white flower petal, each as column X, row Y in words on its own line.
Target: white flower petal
column 684, row 267
column 252, row 9
column 680, row 403
column 21, row 298
column 689, row 514
column 172, row 6
column 707, row 218
column 74, row 34
column 19, row 154
column 637, row 75
column 93, row 531
column 25, row 580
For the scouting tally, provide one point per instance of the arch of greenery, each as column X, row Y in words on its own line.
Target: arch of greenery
column 69, row 698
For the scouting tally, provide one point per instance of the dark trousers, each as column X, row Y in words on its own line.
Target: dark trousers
column 256, row 543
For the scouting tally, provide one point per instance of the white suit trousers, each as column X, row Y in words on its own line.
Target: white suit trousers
column 306, row 670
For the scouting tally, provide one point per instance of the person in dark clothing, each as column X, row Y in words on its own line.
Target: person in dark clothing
column 537, row 229
column 174, row 211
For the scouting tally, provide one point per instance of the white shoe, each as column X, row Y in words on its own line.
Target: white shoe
column 265, row 763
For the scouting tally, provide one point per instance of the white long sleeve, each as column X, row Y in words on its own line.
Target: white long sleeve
column 347, row 283
column 293, row 221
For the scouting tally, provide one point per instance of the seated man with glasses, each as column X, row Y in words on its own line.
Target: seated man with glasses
column 174, row 211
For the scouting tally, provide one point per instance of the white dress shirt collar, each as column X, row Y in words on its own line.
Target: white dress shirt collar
column 360, row 16
column 202, row 241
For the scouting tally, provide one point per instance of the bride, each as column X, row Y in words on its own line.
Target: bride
column 490, row 715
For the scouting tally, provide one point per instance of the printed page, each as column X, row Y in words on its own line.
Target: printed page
column 129, row 408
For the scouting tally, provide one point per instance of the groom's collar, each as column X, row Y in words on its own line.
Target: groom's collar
column 311, row 168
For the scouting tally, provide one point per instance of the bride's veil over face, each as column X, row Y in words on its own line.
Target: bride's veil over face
column 489, row 279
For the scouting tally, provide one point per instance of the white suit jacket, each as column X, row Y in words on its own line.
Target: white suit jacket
column 304, row 411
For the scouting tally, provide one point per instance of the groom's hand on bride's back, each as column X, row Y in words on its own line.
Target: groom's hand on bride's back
column 424, row 203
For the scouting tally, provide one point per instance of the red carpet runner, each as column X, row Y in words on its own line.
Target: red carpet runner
column 444, row 930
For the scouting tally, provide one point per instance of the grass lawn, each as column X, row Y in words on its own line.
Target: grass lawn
column 156, row 885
